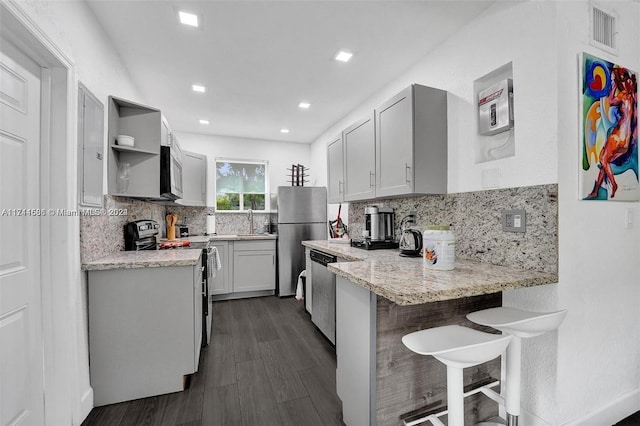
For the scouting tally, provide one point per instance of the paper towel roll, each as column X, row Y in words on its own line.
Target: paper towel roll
column 211, row 224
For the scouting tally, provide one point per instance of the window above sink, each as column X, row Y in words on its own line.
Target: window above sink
column 242, row 185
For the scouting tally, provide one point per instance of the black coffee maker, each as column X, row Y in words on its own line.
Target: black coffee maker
column 141, row 235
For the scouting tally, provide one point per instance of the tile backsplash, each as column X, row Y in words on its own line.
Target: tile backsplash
column 101, row 235
column 476, row 218
column 238, row 223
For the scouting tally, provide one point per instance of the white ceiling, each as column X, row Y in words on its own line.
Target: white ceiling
column 259, row 59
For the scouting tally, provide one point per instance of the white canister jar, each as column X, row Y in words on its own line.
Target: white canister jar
column 439, row 244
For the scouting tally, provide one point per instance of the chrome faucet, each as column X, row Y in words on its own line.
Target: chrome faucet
column 250, row 217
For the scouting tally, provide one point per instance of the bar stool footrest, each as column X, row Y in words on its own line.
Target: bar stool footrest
column 493, row 421
column 431, row 413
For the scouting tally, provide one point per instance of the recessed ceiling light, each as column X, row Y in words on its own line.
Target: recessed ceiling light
column 343, row 56
column 198, row 88
column 204, row 121
column 304, row 105
column 187, row 18
column 284, row 130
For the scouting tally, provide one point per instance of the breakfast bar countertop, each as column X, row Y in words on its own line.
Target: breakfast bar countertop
column 405, row 281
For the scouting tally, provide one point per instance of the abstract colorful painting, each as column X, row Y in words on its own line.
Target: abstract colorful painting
column 609, row 139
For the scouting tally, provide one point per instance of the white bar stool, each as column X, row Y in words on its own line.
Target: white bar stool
column 457, row 347
column 519, row 324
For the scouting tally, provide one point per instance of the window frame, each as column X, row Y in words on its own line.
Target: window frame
column 267, row 194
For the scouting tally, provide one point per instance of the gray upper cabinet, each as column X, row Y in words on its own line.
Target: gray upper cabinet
column 194, row 179
column 411, row 143
column 91, row 148
column 359, row 160
column 335, row 169
column 134, row 171
column 165, row 132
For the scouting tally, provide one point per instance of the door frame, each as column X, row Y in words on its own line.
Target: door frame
column 59, row 241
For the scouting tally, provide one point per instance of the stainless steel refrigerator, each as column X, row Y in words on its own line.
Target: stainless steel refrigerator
column 302, row 215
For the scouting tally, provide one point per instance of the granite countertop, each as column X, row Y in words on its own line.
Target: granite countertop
column 170, row 257
column 405, row 281
column 145, row 259
column 242, row 237
column 230, row 237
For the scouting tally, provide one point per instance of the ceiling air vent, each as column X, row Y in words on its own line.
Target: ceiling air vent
column 603, row 29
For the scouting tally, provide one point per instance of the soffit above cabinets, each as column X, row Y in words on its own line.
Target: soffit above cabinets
column 260, row 59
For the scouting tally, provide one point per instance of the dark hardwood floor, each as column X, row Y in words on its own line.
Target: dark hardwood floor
column 266, row 365
column 632, row 420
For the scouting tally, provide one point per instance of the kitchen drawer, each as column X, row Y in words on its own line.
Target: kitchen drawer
column 254, row 245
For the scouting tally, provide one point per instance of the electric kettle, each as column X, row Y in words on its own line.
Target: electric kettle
column 411, row 243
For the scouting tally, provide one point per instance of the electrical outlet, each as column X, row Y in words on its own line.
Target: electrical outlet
column 514, row 220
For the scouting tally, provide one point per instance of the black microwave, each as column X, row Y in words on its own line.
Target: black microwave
column 171, row 171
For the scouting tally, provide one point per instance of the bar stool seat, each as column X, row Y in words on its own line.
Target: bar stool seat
column 518, row 322
column 521, row 325
column 457, row 347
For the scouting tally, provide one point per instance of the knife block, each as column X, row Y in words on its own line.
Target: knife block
column 171, row 232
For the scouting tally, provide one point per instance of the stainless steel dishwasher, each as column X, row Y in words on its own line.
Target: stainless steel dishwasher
column 323, row 290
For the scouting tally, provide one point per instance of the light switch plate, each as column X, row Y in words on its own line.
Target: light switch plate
column 514, row 220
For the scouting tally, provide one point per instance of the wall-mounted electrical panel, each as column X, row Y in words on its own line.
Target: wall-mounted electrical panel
column 495, row 108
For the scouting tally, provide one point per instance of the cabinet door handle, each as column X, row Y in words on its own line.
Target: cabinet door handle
column 371, row 179
column 407, row 173
column 340, row 190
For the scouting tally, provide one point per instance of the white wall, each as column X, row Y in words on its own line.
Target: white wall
column 72, row 27
column 454, row 66
column 598, row 350
column 280, row 155
column 588, row 372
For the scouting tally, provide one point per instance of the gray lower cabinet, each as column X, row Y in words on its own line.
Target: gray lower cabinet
column 221, row 283
column 145, row 330
column 248, row 269
column 254, row 266
column 355, row 352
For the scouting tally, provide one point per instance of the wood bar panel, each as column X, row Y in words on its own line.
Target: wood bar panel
column 407, row 382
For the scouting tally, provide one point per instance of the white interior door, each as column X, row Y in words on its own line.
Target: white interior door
column 21, row 343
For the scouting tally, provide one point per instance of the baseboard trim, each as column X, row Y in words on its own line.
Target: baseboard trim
column 611, row 413
column 86, row 404
column 526, row 418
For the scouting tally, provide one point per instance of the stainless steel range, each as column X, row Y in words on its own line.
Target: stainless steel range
column 209, row 265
